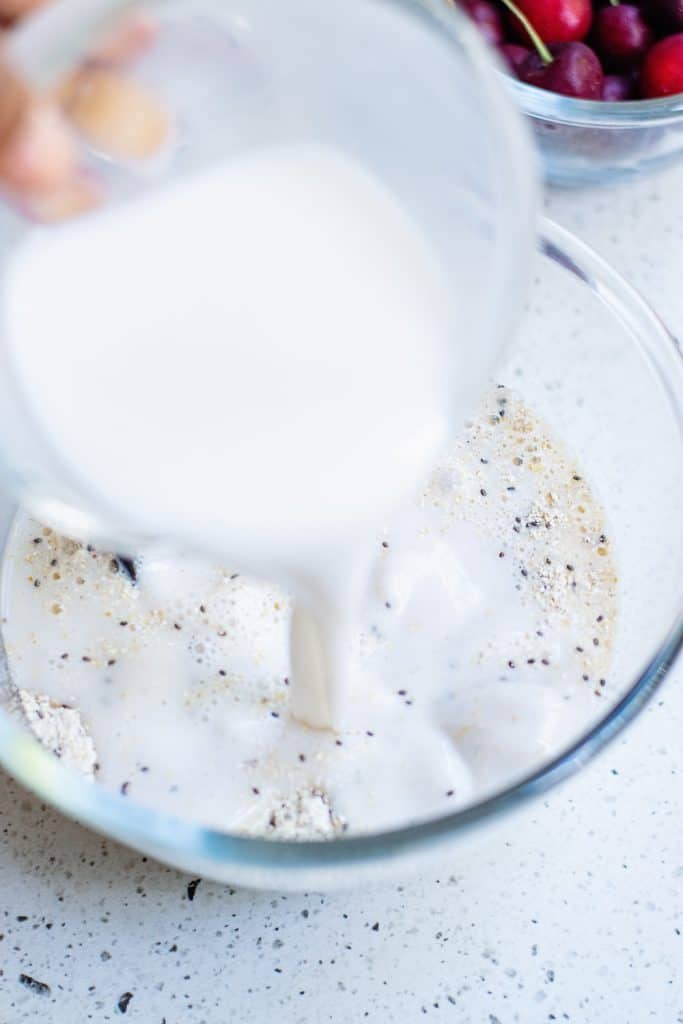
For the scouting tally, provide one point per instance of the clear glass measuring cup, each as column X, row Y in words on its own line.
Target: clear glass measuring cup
column 403, row 87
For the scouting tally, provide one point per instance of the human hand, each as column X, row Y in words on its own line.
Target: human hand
column 39, row 164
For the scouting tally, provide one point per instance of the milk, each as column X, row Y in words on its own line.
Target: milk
column 257, row 361
column 464, row 673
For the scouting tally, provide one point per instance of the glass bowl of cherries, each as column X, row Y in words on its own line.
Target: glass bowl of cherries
column 600, row 80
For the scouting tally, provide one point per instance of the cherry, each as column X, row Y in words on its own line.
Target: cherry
column 622, row 36
column 574, row 71
column 513, row 54
column 560, row 62
column 618, row 87
column 662, row 73
column 556, row 21
column 488, row 18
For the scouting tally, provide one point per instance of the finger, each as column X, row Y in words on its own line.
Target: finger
column 74, row 196
column 40, row 153
column 15, row 101
column 11, row 9
column 116, row 115
column 127, row 41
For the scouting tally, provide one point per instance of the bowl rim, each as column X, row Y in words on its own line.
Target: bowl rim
column 176, row 839
column 541, row 104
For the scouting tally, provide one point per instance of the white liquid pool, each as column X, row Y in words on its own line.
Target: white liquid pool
column 482, row 648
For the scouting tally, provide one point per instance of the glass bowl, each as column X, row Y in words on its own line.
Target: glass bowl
column 586, row 142
column 601, row 368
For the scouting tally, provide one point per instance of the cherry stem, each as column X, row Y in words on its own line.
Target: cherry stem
column 614, row 3
column 542, row 50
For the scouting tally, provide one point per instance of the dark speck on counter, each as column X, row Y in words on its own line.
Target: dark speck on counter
column 124, row 1001
column 40, row 988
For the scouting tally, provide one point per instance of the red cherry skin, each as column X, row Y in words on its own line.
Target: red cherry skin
column 556, row 21
column 662, row 72
column 514, row 55
column 622, row 36
column 575, row 71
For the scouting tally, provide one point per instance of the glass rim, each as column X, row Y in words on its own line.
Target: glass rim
column 178, row 839
column 541, row 104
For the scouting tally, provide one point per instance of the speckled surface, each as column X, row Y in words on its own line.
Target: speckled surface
column 577, row 917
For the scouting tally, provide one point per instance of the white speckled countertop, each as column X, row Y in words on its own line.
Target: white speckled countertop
column 579, row 918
